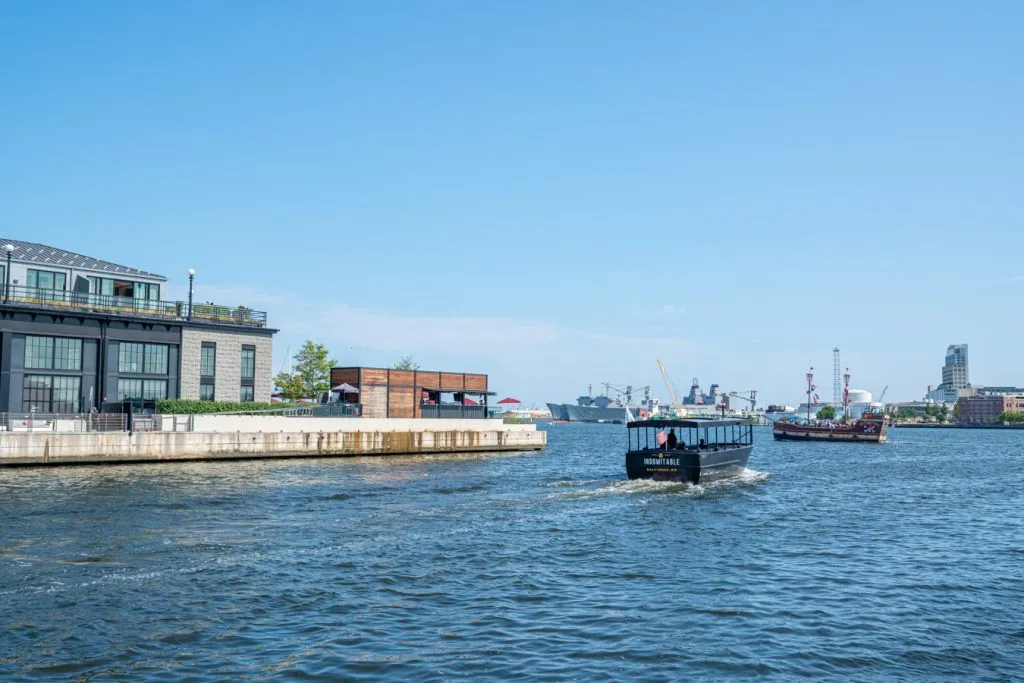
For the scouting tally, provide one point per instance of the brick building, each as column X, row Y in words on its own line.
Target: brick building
column 982, row 409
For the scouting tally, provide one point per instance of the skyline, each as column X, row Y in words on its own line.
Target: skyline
column 555, row 196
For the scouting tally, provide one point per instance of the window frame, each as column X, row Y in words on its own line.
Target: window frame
column 53, row 273
column 208, row 346
column 251, row 348
column 33, row 396
column 248, row 383
column 54, row 343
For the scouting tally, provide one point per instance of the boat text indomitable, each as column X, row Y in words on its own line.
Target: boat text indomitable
column 662, row 461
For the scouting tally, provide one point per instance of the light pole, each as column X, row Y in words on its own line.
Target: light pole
column 191, row 277
column 9, row 248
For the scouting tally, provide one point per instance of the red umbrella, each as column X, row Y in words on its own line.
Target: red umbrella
column 471, row 402
column 508, row 401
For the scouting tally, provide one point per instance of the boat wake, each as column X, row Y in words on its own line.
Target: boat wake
column 591, row 489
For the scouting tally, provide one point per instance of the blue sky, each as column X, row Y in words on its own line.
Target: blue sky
column 553, row 193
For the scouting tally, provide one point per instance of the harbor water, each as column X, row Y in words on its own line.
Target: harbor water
column 901, row 561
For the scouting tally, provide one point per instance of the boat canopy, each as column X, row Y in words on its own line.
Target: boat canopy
column 707, row 423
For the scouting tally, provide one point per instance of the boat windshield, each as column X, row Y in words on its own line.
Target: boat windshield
column 689, row 434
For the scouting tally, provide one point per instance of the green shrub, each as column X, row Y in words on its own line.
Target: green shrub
column 183, row 406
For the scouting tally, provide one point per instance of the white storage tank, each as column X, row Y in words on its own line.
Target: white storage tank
column 860, row 396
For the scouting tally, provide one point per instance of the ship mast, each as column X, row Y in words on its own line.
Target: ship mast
column 810, row 392
column 846, row 395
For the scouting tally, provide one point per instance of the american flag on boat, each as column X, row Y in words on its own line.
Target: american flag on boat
column 661, row 437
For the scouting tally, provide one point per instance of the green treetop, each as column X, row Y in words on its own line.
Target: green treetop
column 311, row 372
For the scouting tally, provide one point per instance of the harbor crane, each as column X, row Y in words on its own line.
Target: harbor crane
column 750, row 396
column 677, row 405
column 881, row 397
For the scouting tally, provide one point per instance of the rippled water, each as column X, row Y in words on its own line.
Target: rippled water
column 853, row 562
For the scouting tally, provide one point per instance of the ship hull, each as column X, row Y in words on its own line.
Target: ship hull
column 558, row 412
column 686, row 465
column 595, row 414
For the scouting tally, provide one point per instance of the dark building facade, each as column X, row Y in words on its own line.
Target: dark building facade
column 64, row 350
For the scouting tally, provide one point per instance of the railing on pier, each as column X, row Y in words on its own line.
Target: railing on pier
column 63, row 422
column 454, row 412
column 60, row 299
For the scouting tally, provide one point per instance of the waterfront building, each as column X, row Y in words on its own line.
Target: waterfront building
column 383, row 392
column 1000, row 391
column 956, row 380
column 986, row 408
column 78, row 332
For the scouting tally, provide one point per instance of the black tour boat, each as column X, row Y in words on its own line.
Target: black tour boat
column 688, row 450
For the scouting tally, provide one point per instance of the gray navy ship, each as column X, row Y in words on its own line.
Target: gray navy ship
column 610, row 407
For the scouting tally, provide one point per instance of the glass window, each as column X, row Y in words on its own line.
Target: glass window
column 101, row 285
column 51, row 394
column 35, row 393
column 248, row 362
column 154, row 389
column 206, row 391
column 247, row 393
column 156, row 359
column 130, row 357
column 45, row 279
column 66, row 393
column 68, row 354
column 128, row 389
column 39, row 352
column 145, row 290
column 208, row 360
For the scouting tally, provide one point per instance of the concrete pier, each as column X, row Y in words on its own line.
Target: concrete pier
column 350, row 437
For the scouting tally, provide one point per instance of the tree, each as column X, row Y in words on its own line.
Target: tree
column 290, row 386
column 311, row 375
column 939, row 411
column 406, row 363
column 827, row 413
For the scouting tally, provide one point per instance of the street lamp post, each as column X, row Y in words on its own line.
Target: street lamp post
column 191, row 277
column 9, row 248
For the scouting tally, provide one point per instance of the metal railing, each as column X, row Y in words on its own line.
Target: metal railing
column 104, row 303
column 325, row 410
column 454, row 412
column 63, row 422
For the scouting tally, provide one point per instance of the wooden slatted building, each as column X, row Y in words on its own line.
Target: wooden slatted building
column 383, row 392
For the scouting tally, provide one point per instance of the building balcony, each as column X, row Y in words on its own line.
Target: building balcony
column 62, row 300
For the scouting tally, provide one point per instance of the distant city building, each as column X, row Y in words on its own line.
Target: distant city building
column 1000, row 391
column 977, row 409
column 955, row 373
column 956, row 379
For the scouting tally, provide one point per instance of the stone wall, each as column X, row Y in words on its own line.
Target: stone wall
column 228, row 362
column 48, row 448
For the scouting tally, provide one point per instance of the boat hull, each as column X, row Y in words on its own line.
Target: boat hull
column 558, row 412
column 861, row 433
column 688, row 465
column 595, row 414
